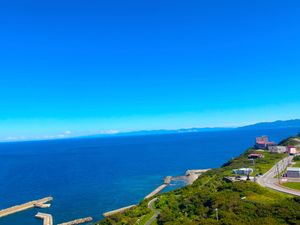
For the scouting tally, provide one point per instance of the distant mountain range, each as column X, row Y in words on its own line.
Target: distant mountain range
column 113, row 133
column 183, row 130
column 273, row 125
column 258, row 126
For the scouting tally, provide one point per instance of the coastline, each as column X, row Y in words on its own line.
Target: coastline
column 189, row 178
column 147, row 181
column 219, row 177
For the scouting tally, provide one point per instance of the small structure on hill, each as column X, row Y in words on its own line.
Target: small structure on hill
column 293, row 172
column 263, row 142
column 292, row 150
column 255, row 156
column 243, row 171
column 277, row 149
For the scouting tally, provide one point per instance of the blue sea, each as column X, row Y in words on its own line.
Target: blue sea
column 89, row 176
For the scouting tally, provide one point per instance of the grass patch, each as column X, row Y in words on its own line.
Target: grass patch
column 145, row 218
column 260, row 166
column 293, row 185
column 154, row 222
column 260, row 198
column 266, row 163
column 297, row 164
column 267, row 196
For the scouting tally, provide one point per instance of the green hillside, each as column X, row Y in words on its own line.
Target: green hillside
column 241, row 202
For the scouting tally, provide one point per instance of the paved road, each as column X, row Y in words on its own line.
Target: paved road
column 268, row 180
column 156, row 212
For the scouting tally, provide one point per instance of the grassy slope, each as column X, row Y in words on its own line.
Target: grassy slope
column 237, row 203
column 297, row 161
column 293, row 185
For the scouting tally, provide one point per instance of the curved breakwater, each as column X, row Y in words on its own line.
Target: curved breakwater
column 189, row 177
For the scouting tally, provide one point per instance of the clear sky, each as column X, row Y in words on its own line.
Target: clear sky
column 79, row 67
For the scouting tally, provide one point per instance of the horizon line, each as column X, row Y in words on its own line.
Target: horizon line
column 111, row 133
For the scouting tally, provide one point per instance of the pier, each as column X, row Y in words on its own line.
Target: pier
column 77, row 221
column 47, row 218
column 156, row 191
column 167, row 181
column 41, row 203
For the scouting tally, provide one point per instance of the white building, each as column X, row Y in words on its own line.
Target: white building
column 277, row 149
column 243, row 171
column 293, row 172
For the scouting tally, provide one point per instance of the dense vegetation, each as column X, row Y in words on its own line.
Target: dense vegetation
column 291, row 141
column 242, row 202
column 296, row 158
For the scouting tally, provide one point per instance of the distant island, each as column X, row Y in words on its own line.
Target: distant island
column 279, row 124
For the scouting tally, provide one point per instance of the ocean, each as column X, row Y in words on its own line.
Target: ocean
column 89, row 176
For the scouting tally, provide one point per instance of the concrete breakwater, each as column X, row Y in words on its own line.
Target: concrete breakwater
column 47, row 218
column 190, row 176
column 167, row 181
column 110, row 213
column 77, row 221
column 41, row 203
column 156, row 191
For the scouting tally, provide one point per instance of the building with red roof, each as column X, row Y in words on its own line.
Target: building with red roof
column 263, row 142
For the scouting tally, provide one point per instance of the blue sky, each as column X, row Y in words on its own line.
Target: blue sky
column 80, row 67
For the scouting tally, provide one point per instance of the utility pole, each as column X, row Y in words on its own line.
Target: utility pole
column 254, row 170
column 278, row 172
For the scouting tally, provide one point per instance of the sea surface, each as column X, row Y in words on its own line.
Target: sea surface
column 89, row 176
